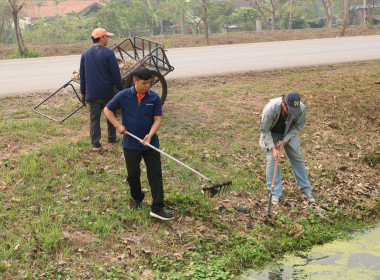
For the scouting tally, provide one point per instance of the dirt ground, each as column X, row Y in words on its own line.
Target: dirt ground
column 340, row 143
column 179, row 41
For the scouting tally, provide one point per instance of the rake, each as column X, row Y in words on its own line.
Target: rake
column 212, row 190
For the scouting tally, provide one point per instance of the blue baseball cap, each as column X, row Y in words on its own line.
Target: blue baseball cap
column 293, row 102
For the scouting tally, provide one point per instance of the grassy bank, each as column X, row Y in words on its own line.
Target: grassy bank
column 180, row 41
column 65, row 213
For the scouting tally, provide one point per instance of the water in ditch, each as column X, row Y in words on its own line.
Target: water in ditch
column 356, row 259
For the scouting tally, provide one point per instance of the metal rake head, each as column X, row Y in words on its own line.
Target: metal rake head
column 216, row 188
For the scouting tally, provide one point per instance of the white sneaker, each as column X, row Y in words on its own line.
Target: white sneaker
column 310, row 197
column 275, row 200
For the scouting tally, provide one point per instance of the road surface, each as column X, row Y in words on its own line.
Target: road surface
column 19, row 76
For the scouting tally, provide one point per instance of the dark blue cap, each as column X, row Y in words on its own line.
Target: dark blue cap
column 293, row 102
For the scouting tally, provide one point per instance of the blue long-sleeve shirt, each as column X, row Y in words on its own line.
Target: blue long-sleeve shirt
column 99, row 72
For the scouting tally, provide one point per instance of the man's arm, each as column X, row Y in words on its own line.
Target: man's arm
column 156, row 125
column 265, row 127
column 112, row 118
column 82, row 76
column 115, row 72
column 297, row 127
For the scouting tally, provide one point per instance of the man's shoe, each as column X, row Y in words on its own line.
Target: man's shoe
column 162, row 215
column 133, row 204
column 310, row 197
column 275, row 200
column 99, row 150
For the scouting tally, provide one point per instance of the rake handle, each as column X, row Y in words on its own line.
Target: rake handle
column 272, row 188
column 169, row 156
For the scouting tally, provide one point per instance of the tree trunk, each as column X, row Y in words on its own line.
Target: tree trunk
column 344, row 24
column 274, row 4
column 369, row 17
column 205, row 25
column 344, row 18
column 182, row 22
column 327, row 6
column 293, row 4
column 15, row 11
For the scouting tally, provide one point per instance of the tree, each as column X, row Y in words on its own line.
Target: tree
column 16, row 8
column 259, row 5
column 327, row 7
column 155, row 15
column 122, row 17
column 245, row 16
column 176, row 11
column 292, row 7
column 5, row 21
column 204, row 18
column 344, row 18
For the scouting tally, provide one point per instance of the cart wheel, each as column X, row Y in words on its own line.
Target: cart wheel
column 158, row 84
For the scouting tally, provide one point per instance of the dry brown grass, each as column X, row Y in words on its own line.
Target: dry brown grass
column 180, row 41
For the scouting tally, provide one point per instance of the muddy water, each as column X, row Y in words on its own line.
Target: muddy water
column 356, row 259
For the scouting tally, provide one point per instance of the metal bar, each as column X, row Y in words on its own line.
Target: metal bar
column 51, row 95
column 155, row 64
column 169, row 156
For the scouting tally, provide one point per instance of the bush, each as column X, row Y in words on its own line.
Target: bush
column 25, row 53
column 298, row 22
column 317, row 23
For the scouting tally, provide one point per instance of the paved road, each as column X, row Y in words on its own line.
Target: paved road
column 19, row 76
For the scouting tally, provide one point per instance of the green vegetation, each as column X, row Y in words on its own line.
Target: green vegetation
column 25, row 53
column 65, row 213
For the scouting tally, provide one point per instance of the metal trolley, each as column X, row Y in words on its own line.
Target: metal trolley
column 130, row 55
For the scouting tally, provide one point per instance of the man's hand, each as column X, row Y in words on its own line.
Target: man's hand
column 276, row 153
column 121, row 129
column 83, row 99
column 146, row 139
column 280, row 145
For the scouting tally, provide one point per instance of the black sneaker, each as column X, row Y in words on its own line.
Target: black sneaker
column 133, row 204
column 162, row 215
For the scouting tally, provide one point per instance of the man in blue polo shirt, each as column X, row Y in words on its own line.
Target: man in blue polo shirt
column 141, row 115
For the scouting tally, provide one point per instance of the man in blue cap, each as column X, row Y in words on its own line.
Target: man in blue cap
column 282, row 120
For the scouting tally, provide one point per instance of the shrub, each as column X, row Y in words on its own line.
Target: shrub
column 25, row 53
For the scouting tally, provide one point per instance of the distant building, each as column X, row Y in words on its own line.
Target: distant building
column 52, row 9
column 238, row 3
column 241, row 3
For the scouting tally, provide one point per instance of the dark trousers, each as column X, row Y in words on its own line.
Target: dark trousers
column 96, row 108
column 152, row 161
